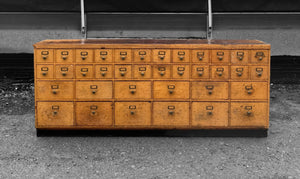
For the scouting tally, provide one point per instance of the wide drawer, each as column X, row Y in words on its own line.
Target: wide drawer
column 171, row 90
column 93, row 90
column 54, row 90
column 132, row 90
column 210, row 90
column 249, row 90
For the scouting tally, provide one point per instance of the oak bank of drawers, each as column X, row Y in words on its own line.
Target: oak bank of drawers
column 152, row 84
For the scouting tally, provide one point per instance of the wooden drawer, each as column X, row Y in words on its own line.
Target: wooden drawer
column 200, row 56
column 171, row 113
column 200, row 72
column 249, row 90
column 240, row 57
column 44, row 71
column 181, row 56
column 94, row 113
column 171, row 90
column 161, row 56
column 219, row 72
column 259, row 72
column 123, row 71
column 44, row 55
column 220, row 56
column 54, row 90
column 239, row 72
column 55, row 113
column 142, row 56
column 84, row 71
column 122, row 56
column 103, row 71
column 142, row 71
column 103, row 55
column 214, row 114
column 64, row 71
column 132, row 90
column 260, row 56
column 210, row 90
column 133, row 113
column 181, row 71
column 161, row 71
column 84, row 56
column 64, row 56
column 249, row 114
column 93, row 90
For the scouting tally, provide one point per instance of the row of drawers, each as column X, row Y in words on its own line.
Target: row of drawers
column 144, row 90
column 212, row 114
column 159, row 71
column 151, row 55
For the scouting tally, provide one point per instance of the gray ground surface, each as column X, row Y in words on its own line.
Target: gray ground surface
column 23, row 155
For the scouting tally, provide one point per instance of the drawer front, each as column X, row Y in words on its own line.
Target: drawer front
column 239, row 72
column 214, row 114
column 200, row 72
column 64, row 71
column 64, row 56
column 44, row 55
column 171, row 113
column 122, row 56
column 93, row 90
column 219, row 72
column 49, row 90
column 161, row 71
column 123, row 71
column 200, row 56
column 103, row 71
column 133, row 113
column 210, row 90
column 142, row 56
column 220, row 56
column 260, row 56
column 240, row 56
column 259, row 72
column 132, row 90
column 104, row 56
column 171, row 90
column 181, row 56
column 94, row 113
column 44, row 71
column 181, row 71
column 161, row 56
column 84, row 56
column 249, row 90
column 84, row 71
column 142, row 71
column 55, row 113
column 249, row 114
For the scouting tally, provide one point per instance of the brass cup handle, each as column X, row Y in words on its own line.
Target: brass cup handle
column 94, row 91
column 209, row 112
column 103, row 73
column 45, row 57
column 44, row 73
column 180, row 73
column 171, row 112
column 103, row 57
column 220, row 58
column 162, row 73
column 122, row 73
column 132, row 112
column 123, row 57
column 142, row 73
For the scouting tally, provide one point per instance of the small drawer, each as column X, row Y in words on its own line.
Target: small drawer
column 133, row 113
column 49, row 90
column 200, row 56
column 44, row 71
column 122, row 56
column 239, row 72
column 181, row 56
column 171, row 90
column 219, row 72
column 161, row 56
column 240, row 56
column 93, row 90
column 132, row 90
column 84, row 56
column 260, row 56
column 210, row 90
column 64, row 71
column 200, row 72
column 249, row 90
column 103, row 71
column 171, row 113
column 55, row 113
column 181, row 71
column 210, row 114
column 220, row 56
column 64, row 56
column 259, row 72
column 104, row 56
column 84, row 71
column 44, row 55
column 94, row 113
column 253, row 114
column 142, row 71
column 142, row 56
column 123, row 71
column 161, row 71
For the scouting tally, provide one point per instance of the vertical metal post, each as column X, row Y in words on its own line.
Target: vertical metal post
column 83, row 18
column 209, row 21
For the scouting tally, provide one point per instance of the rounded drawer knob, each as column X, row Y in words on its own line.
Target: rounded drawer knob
column 103, row 73
column 44, row 73
column 180, row 73
column 142, row 73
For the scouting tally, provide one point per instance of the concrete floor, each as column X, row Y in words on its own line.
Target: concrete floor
column 23, row 155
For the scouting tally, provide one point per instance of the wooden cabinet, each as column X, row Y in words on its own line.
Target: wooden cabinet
column 152, row 84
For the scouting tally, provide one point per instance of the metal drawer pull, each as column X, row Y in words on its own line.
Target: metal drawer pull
column 181, row 55
column 142, row 70
column 132, row 88
column 259, row 71
column 259, row 55
column 171, row 110
column 45, row 54
column 84, row 71
column 220, row 71
column 200, row 55
column 123, row 55
column 84, row 55
column 132, row 109
column 54, row 88
column 55, row 110
column 220, row 55
column 180, row 70
column 64, row 70
column 103, row 69
column 239, row 71
column 240, row 55
column 142, row 53
column 64, row 55
column 103, row 55
column 44, row 71
column 249, row 89
column 161, row 54
column 162, row 70
column 93, row 108
column 249, row 110
column 209, row 110
column 122, row 71
column 200, row 71
column 209, row 88
column 94, row 88
column 171, row 88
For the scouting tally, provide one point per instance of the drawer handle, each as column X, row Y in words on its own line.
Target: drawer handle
column 132, row 89
column 259, row 71
column 44, row 71
column 249, row 110
column 240, row 55
column 180, row 73
column 161, row 70
column 161, row 54
column 142, row 53
column 171, row 88
column 239, row 71
column 220, row 71
column 123, row 55
column 94, row 88
column 103, row 55
column 220, row 55
column 210, row 89
column 54, row 88
column 180, row 70
column 84, row 55
column 200, row 55
column 103, row 69
column 181, row 55
column 209, row 110
column 249, row 89
column 171, row 110
column 93, row 110
column 132, row 109
column 64, row 71
column 122, row 71
column 259, row 55
column 200, row 71
column 84, row 71
column 55, row 110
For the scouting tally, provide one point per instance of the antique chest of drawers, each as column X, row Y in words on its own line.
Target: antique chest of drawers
column 152, row 84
